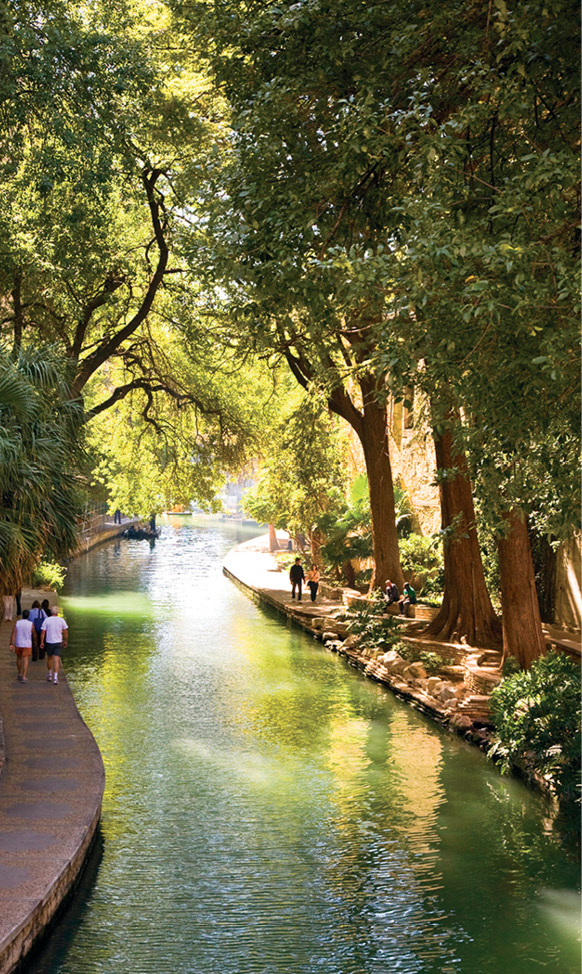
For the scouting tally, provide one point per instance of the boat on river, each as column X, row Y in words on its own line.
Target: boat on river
column 137, row 532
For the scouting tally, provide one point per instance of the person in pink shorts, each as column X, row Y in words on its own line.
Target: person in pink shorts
column 21, row 644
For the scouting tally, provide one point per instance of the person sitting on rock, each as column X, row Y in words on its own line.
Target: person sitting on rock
column 407, row 598
column 391, row 593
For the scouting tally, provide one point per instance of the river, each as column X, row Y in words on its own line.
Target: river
column 269, row 810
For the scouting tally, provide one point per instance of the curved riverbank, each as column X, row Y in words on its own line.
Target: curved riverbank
column 51, row 790
column 457, row 699
column 254, row 567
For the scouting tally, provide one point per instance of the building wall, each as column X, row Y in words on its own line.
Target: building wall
column 568, row 584
column 414, row 461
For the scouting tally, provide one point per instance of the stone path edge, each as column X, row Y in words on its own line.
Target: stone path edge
column 37, row 777
column 31, row 930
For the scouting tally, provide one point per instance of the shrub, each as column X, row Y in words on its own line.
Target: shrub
column 510, row 667
column 373, row 627
column 285, row 559
column 406, row 651
column 49, row 575
column 537, row 716
column 422, row 560
column 432, row 662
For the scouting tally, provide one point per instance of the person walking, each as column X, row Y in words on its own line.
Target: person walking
column 9, row 607
column 21, row 644
column 37, row 617
column 53, row 637
column 312, row 581
column 296, row 577
column 45, row 606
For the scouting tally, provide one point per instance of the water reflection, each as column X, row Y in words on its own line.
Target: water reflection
column 269, row 810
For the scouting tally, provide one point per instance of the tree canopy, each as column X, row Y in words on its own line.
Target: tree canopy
column 376, row 196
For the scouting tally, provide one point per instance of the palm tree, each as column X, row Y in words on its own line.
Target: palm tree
column 349, row 534
column 40, row 448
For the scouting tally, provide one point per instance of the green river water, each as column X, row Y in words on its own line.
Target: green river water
column 269, row 810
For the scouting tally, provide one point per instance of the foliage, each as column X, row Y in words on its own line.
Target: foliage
column 287, row 558
column 154, row 452
column 347, row 530
column 373, row 627
column 489, row 252
column 300, row 208
column 537, row 719
column 301, row 475
column 401, row 207
column 490, row 559
column 403, row 513
column 422, row 562
column 49, row 575
column 511, row 667
column 40, row 453
column 108, row 126
column 433, row 662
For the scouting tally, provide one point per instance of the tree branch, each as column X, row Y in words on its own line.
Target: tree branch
column 110, row 346
column 111, row 284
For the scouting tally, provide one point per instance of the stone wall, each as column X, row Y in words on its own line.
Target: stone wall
column 568, row 584
column 413, row 462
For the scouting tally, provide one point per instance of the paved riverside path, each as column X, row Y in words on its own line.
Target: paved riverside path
column 256, row 568
column 51, row 788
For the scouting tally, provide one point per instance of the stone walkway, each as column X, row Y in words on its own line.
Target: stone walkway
column 51, row 788
column 256, row 568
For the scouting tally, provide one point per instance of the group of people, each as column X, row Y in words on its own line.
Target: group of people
column 39, row 632
column 297, row 577
column 392, row 596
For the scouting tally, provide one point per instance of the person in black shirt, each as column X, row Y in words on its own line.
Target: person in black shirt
column 391, row 593
column 296, row 577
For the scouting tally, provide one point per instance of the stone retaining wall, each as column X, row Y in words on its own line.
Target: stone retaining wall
column 89, row 541
column 17, row 945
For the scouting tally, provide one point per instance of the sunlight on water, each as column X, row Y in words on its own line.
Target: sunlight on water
column 125, row 605
column 270, row 811
column 562, row 907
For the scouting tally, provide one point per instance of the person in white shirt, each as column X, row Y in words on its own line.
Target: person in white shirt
column 21, row 644
column 53, row 637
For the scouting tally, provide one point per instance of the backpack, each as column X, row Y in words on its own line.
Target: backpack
column 38, row 620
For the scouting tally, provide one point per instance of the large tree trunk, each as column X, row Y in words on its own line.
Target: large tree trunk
column 544, row 562
column 466, row 611
column 273, row 543
column 374, row 439
column 315, row 542
column 522, row 625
